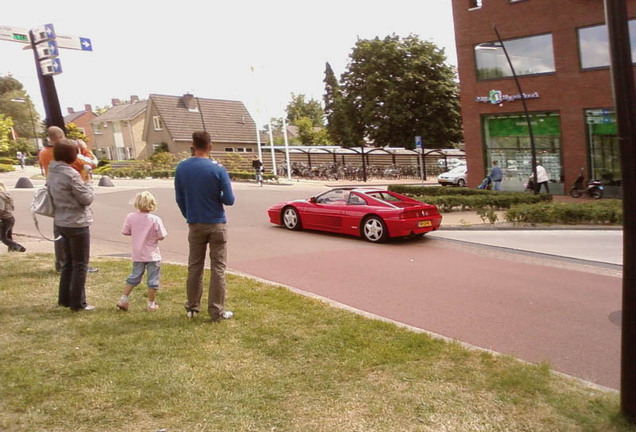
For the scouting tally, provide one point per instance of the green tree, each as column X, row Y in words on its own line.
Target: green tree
column 308, row 134
column 5, row 132
column 299, row 108
column 73, row 132
column 16, row 103
column 343, row 125
column 401, row 88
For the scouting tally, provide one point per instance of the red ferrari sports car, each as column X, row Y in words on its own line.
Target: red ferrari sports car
column 373, row 214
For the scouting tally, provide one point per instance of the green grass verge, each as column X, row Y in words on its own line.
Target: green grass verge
column 285, row 363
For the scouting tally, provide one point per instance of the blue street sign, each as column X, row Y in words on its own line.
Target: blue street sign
column 418, row 142
column 50, row 31
column 85, row 44
column 52, row 66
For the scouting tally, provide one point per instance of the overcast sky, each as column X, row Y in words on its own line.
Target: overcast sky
column 257, row 52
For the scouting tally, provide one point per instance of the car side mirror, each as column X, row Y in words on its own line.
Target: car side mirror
column 312, row 200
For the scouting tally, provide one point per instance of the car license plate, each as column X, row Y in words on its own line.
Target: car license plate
column 424, row 224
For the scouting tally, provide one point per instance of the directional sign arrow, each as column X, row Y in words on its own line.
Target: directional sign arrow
column 43, row 33
column 51, row 66
column 86, row 44
column 74, row 42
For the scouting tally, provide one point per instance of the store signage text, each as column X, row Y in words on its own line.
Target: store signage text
column 496, row 97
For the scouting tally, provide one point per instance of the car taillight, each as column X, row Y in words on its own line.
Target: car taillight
column 411, row 214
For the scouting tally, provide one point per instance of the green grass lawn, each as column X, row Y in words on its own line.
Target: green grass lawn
column 284, row 363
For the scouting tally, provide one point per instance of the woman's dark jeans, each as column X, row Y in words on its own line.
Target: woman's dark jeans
column 6, row 233
column 76, row 244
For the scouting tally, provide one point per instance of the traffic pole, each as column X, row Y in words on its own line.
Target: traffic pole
column 624, row 100
column 50, row 100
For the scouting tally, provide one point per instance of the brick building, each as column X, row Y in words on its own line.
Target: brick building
column 82, row 119
column 560, row 51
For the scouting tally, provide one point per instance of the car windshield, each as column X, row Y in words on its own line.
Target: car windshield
column 458, row 170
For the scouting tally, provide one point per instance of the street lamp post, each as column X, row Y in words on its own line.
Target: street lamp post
column 28, row 103
column 533, row 150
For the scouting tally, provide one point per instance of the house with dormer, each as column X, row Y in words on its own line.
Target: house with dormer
column 171, row 120
column 118, row 132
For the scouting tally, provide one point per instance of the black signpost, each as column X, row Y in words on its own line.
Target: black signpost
column 45, row 43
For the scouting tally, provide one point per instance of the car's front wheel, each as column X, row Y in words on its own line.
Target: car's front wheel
column 461, row 182
column 291, row 219
column 374, row 230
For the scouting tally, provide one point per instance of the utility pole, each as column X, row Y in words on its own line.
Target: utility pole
column 625, row 102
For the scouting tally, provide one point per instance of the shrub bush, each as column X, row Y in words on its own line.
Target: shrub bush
column 595, row 212
column 463, row 199
column 496, row 201
column 6, row 168
column 9, row 161
column 161, row 173
column 249, row 175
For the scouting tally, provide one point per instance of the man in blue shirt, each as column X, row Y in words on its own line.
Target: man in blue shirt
column 496, row 175
column 202, row 188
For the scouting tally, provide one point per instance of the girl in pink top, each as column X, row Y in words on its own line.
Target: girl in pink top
column 146, row 230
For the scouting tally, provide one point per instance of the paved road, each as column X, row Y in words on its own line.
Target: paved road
column 534, row 308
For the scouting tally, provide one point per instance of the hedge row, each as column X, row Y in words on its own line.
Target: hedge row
column 6, row 168
column 595, row 212
column 166, row 173
column 440, row 191
column 8, row 161
column 495, row 201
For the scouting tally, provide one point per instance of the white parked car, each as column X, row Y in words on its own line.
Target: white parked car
column 456, row 177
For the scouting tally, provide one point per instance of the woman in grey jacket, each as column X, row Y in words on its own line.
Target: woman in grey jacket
column 71, row 198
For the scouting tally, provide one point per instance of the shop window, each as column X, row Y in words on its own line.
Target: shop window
column 604, row 153
column 594, row 45
column 507, row 141
column 529, row 56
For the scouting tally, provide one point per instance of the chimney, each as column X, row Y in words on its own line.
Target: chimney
column 134, row 98
column 115, row 102
column 189, row 101
column 88, row 108
column 70, row 110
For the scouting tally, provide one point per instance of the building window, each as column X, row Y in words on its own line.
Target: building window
column 529, row 56
column 229, row 149
column 157, row 123
column 594, row 45
column 474, row 4
column 605, row 162
column 97, row 129
column 507, row 141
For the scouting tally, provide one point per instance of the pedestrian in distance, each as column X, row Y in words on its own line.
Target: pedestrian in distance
column 72, row 219
column 496, row 176
column 146, row 230
column 202, row 189
column 542, row 179
column 21, row 158
column 7, row 221
column 258, row 170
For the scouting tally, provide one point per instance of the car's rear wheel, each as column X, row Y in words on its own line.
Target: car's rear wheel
column 374, row 230
column 291, row 219
column 461, row 182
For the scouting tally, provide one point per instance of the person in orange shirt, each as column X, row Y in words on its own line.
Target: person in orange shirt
column 45, row 156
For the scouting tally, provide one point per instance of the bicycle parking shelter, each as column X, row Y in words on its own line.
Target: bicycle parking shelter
column 363, row 154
